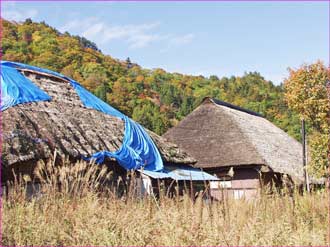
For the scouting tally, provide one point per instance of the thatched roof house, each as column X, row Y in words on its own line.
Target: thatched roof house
column 223, row 136
column 32, row 131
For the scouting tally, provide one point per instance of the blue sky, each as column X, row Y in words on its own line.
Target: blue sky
column 220, row 38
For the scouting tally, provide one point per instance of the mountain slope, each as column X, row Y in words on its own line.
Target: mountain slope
column 155, row 98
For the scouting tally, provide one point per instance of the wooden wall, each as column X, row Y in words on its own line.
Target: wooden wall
column 245, row 183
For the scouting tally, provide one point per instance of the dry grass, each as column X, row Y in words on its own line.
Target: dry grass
column 72, row 211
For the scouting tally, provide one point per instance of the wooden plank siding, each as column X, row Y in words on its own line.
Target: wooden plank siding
column 245, row 183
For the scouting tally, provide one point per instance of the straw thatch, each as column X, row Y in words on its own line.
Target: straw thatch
column 32, row 131
column 219, row 134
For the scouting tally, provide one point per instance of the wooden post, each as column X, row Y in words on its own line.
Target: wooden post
column 303, row 133
column 306, row 160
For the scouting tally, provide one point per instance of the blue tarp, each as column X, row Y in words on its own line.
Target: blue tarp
column 91, row 101
column 17, row 89
column 137, row 151
column 30, row 67
column 181, row 173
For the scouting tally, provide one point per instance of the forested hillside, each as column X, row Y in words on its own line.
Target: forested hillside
column 155, row 98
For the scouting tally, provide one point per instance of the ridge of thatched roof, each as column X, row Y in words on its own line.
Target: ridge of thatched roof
column 220, row 135
column 32, row 131
column 235, row 107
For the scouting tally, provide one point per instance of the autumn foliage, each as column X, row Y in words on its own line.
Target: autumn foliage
column 159, row 99
column 306, row 94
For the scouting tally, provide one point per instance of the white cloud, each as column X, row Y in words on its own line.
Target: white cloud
column 135, row 36
column 77, row 25
column 12, row 12
column 9, row 12
column 70, row 25
column 178, row 40
column 94, row 30
column 182, row 40
column 142, row 40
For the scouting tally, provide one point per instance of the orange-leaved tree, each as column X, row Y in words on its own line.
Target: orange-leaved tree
column 306, row 94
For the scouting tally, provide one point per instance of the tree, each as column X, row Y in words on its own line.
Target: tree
column 26, row 33
column 87, row 43
column 101, row 91
column 94, row 81
column 149, row 115
column 28, row 21
column 129, row 64
column 214, row 78
column 306, row 93
column 186, row 107
column 171, row 95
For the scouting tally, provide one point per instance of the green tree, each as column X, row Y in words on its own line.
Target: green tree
column 101, row 91
column 171, row 95
column 149, row 115
column 186, row 107
column 128, row 63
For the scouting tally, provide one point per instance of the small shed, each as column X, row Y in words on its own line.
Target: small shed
column 241, row 147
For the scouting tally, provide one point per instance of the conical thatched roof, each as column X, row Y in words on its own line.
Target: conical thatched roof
column 219, row 134
column 32, row 131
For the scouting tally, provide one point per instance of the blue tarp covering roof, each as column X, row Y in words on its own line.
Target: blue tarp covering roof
column 138, row 150
column 181, row 173
column 17, row 89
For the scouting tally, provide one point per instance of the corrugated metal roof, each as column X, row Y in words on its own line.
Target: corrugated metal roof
column 181, row 173
column 152, row 174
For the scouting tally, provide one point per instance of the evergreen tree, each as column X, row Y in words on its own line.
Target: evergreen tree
column 129, row 63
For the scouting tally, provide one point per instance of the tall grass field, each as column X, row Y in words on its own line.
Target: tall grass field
column 73, row 209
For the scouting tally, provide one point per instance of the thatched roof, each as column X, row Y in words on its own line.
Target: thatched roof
column 32, row 131
column 219, row 134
